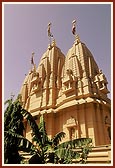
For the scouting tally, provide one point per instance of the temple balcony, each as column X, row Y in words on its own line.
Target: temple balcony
column 69, row 86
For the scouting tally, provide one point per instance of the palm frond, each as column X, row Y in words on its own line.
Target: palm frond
column 7, row 113
column 58, row 137
column 22, row 143
column 42, row 129
column 9, row 101
column 33, row 125
column 66, row 155
column 76, row 143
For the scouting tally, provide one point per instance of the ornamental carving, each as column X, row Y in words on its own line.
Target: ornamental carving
column 71, row 122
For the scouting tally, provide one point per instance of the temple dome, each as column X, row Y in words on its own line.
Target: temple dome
column 80, row 60
column 81, row 73
column 50, row 66
column 71, row 92
column 41, row 86
column 59, row 79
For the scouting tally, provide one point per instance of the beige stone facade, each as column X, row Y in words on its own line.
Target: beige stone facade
column 71, row 92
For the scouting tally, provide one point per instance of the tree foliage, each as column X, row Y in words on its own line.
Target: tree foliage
column 43, row 150
column 53, row 151
column 13, row 124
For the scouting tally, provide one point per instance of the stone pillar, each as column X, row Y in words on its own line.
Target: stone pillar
column 99, row 134
column 82, row 121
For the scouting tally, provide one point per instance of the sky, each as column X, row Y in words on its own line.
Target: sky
column 25, row 31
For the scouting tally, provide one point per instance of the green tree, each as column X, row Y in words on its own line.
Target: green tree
column 53, row 151
column 44, row 150
column 14, row 141
column 13, row 123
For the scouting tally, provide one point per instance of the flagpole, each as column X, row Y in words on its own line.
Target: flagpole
column 74, row 32
column 50, row 35
column 74, row 28
column 32, row 60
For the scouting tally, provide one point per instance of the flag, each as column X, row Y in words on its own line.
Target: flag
column 74, row 27
column 49, row 31
column 32, row 58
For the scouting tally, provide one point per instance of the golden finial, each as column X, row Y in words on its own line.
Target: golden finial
column 53, row 43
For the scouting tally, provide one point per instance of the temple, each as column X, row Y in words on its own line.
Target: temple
column 71, row 91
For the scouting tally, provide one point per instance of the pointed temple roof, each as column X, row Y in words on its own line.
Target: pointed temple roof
column 60, row 81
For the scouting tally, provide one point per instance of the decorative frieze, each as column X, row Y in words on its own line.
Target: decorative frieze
column 71, row 122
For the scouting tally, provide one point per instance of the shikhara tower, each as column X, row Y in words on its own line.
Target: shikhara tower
column 71, row 91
